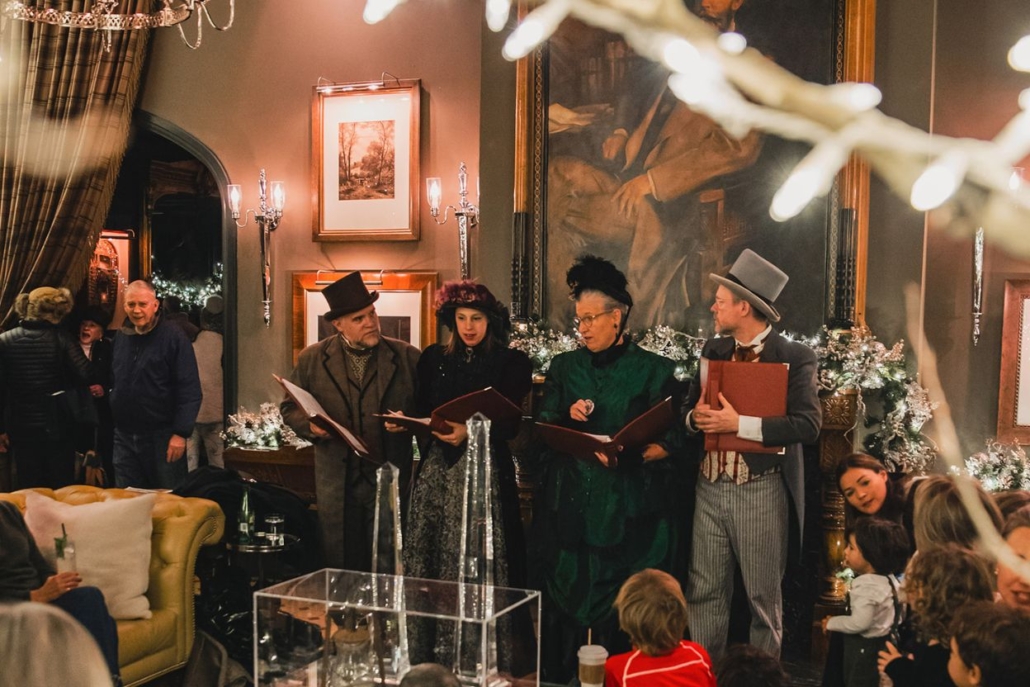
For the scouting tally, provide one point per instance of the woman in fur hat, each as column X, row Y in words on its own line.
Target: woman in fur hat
column 476, row 357
column 92, row 330
column 38, row 361
column 595, row 524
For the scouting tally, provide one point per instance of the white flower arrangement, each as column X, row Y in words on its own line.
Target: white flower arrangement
column 264, row 430
column 1001, row 467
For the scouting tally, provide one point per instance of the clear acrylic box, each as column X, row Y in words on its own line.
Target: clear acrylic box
column 339, row 628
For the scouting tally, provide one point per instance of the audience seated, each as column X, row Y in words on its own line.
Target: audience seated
column 42, row 645
column 938, row 582
column 990, row 644
column 429, row 675
column 653, row 612
column 25, row 575
column 1010, row 501
column 1013, row 589
column 744, row 665
column 940, row 517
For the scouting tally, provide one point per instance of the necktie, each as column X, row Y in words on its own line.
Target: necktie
column 358, row 361
column 745, row 354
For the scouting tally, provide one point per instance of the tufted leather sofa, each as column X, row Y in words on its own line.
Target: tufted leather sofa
column 149, row 648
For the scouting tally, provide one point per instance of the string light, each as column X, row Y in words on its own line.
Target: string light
column 732, row 43
column 378, row 10
column 938, row 182
column 813, row 177
column 497, row 13
column 1019, row 55
column 535, row 29
column 680, row 55
column 857, row 97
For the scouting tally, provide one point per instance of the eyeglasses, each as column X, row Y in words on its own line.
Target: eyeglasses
column 588, row 320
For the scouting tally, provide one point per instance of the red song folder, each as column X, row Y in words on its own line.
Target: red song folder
column 642, row 430
column 310, row 406
column 754, row 389
column 490, row 402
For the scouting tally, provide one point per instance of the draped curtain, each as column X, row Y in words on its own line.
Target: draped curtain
column 66, row 103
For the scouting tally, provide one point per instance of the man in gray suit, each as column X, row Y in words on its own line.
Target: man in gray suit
column 354, row 373
column 742, row 512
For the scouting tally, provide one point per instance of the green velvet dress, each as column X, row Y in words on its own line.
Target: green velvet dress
column 597, row 526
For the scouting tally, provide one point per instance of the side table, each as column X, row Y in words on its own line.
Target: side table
column 261, row 549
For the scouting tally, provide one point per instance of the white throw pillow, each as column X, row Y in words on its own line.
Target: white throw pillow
column 112, row 545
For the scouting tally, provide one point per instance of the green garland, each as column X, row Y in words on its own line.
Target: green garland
column 192, row 293
column 264, row 430
column 848, row 360
column 1001, row 467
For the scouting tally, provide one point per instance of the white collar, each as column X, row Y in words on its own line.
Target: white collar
column 759, row 341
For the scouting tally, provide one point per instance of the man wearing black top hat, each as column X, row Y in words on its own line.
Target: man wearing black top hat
column 354, row 373
column 743, row 508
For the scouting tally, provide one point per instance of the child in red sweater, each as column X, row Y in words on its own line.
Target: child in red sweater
column 653, row 612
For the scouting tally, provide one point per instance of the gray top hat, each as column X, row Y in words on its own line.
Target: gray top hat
column 757, row 281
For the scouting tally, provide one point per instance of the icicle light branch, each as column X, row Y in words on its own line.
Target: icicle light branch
column 742, row 90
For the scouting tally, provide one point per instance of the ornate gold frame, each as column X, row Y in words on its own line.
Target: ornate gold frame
column 389, row 228
column 382, row 280
column 855, row 46
column 1015, row 368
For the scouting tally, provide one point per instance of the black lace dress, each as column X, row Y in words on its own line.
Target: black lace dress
column 432, row 542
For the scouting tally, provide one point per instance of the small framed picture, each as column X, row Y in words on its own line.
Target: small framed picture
column 405, row 306
column 365, row 166
column 1014, row 387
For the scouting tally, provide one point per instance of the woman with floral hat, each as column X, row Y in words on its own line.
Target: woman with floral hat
column 476, row 357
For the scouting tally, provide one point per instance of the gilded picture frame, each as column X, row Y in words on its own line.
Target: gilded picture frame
column 823, row 251
column 405, row 305
column 1014, row 384
column 365, row 161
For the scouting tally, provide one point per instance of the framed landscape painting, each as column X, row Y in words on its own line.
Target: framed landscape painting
column 365, row 164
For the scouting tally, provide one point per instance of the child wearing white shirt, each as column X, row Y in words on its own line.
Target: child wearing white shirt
column 876, row 551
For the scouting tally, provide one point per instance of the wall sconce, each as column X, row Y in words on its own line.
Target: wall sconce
column 466, row 212
column 267, row 216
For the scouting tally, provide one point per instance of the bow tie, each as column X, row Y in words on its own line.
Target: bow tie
column 745, row 354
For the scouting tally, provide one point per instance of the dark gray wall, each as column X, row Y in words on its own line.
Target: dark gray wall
column 953, row 80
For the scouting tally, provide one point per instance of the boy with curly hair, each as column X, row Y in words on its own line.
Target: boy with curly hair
column 990, row 643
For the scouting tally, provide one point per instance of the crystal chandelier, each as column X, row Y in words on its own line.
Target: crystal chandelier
column 101, row 16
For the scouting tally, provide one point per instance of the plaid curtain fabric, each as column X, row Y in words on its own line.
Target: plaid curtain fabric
column 66, row 106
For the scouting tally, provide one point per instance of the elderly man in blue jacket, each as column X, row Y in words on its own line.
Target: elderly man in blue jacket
column 155, row 396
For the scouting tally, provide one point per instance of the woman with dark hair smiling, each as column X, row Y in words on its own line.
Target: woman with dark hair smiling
column 1013, row 589
column 476, row 357
column 868, row 488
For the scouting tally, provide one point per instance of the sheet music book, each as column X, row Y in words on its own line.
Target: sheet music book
column 642, row 430
column 756, row 389
column 490, row 402
column 310, row 406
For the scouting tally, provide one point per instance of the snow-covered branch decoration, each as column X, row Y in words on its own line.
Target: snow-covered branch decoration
column 742, row 90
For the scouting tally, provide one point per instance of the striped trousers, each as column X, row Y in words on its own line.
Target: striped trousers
column 743, row 524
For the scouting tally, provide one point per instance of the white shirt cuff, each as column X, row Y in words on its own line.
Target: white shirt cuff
column 750, row 428
column 689, row 420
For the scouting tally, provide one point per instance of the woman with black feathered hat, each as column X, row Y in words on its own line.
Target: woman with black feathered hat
column 597, row 525
column 477, row 356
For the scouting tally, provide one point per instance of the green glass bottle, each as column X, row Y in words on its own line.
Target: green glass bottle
column 245, row 518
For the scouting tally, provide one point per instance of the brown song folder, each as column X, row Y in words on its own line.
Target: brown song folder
column 642, row 430
column 754, row 389
column 490, row 402
column 310, row 406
